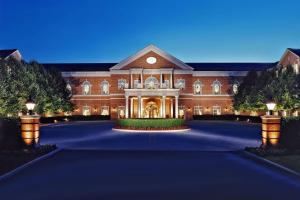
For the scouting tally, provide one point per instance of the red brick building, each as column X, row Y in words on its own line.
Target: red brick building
column 153, row 83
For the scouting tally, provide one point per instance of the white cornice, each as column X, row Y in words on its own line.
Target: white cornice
column 219, row 73
column 156, row 50
column 86, row 74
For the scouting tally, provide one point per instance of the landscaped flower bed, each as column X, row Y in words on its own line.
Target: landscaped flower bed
column 151, row 124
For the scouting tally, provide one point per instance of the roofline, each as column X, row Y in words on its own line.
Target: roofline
column 155, row 49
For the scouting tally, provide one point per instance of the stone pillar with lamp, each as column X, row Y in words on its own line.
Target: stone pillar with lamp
column 30, row 125
column 270, row 127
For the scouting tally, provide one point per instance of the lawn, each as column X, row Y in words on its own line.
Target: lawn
column 11, row 159
column 290, row 161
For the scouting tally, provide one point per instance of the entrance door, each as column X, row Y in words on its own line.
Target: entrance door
column 151, row 110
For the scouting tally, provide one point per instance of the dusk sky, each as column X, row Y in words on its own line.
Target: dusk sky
column 111, row 30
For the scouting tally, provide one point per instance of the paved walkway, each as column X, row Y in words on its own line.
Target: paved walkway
column 205, row 163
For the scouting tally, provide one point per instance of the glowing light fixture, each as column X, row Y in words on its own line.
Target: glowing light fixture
column 271, row 106
column 151, row 60
column 30, row 104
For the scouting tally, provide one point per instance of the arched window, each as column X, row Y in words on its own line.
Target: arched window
column 104, row 87
column 86, row 88
column 151, row 83
column 235, row 87
column 180, row 84
column 216, row 87
column 198, row 87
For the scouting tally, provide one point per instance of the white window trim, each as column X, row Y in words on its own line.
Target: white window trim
column 213, row 87
column 90, row 87
column 201, row 86
column 101, row 87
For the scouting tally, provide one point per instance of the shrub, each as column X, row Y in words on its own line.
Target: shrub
column 290, row 133
column 151, row 123
column 254, row 119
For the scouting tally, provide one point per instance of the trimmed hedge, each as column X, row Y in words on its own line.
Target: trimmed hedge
column 150, row 123
column 290, row 133
column 48, row 120
column 10, row 133
column 254, row 119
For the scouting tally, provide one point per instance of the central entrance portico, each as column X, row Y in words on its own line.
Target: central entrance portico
column 151, row 103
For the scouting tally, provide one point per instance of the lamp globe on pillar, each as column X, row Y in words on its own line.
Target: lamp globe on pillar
column 30, row 104
column 271, row 106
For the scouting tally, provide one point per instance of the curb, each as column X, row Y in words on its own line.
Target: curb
column 28, row 164
column 151, row 131
column 272, row 163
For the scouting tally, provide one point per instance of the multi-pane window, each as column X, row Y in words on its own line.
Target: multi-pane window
column 151, row 83
column 104, row 87
column 180, row 84
column 216, row 110
column 198, row 110
column 121, row 111
column 216, row 87
column 105, row 110
column 198, row 87
column 86, row 110
column 181, row 112
column 296, row 68
column 137, row 84
column 86, row 88
column 235, row 87
column 122, row 84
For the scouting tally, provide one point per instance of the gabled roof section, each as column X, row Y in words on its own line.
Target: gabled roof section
column 156, row 50
column 5, row 53
column 295, row 51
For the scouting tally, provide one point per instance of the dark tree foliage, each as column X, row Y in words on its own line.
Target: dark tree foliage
column 279, row 84
column 19, row 80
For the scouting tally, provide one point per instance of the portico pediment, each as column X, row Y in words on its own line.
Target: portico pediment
column 151, row 57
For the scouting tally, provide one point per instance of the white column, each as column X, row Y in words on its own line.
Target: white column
column 131, row 107
column 126, row 106
column 131, row 80
column 171, row 103
column 161, row 80
column 171, row 80
column 176, row 106
column 161, row 108
column 164, row 107
column 139, row 106
column 142, row 81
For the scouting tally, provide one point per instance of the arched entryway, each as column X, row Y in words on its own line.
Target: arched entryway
column 151, row 110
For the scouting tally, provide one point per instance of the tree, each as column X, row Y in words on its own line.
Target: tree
column 19, row 80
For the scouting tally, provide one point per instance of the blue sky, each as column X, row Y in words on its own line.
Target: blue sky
column 111, row 30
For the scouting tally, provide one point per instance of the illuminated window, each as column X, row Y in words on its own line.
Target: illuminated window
column 86, row 88
column 198, row 87
column 181, row 111
column 69, row 87
column 105, row 110
column 216, row 110
column 104, row 87
column 235, row 87
column 121, row 111
column 122, row 84
column 86, row 110
column 216, row 87
column 151, row 83
column 198, row 110
column 296, row 68
column 180, row 84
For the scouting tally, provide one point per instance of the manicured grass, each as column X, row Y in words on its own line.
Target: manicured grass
column 151, row 123
column 290, row 161
column 11, row 159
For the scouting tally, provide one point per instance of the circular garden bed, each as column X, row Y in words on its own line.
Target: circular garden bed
column 157, row 124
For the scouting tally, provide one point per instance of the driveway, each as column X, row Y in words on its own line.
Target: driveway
column 97, row 163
